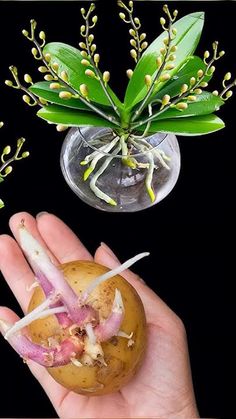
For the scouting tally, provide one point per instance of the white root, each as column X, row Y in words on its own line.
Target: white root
column 118, row 305
column 129, row 337
column 97, row 281
column 29, row 288
column 90, row 333
column 76, row 362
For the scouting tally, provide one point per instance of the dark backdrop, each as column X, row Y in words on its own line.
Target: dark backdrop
column 187, row 234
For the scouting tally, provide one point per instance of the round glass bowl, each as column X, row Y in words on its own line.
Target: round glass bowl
column 126, row 186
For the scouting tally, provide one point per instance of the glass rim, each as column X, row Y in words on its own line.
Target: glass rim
column 143, row 153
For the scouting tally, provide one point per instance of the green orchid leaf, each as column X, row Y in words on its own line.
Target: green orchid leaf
column 183, row 76
column 189, row 30
column 1, row 204
column 71, row 117
column 69, row 59
column 195, row 125
column 206, row 103
column 42, row 90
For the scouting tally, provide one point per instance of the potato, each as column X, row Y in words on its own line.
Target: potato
column 122, row 356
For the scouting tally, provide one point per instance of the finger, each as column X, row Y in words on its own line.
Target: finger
column 15, row 270
column 31, row 225
column 155, row 308
column 60, row 239
column 55, row 391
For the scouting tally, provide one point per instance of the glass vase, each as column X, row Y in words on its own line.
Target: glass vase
column 142, row 178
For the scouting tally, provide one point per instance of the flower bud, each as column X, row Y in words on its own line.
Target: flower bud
column 159, row 61
column 48, row 77
column 221, row 53
column 175, row 13
column 215, row 92
column 227, row 76
column 96, row 58
column 181, row 106
column 82, row 45
column 192, row 81
column 90, row 38
column 129, row 73
column 61, row 127
column 122, row 15
column 165, row 100
column 27, row 78
column 8, row 170
column 93, row 47
column 34, row 51
column 200, row 73
column 85, row 62
column 132, row 42
column 183, row 88
column 144, row 45
column 172, row 57
column 84, row 54
column 203, row 84
column 82, row 11
column 26, row 99
column 212, row 69
column 6, row 150
column 82, row 29
column 55, row 66
column 106, row 76
column 162, row 21
column 166, row 41
column 47, row 57
column 137, row 21
column 65, row 95
column 192, row 98
column 174, row 48
column 84, row 90
column 132, row 32
column 162, row 51
column 198, row 91
column 64, row 76
column 25, row 154
column 42, row 69
column 8, row 83
column 55, row 86
column 25, row 33
column 90, row 73
column 206, row 54
column 169, row 67
column 131, row 3
column 229, row 94
column 42, row 35
column 148, row 80
column 174, row 31
column 133, row 53
column 165, row 77
column 142, row 36
column 94, row 19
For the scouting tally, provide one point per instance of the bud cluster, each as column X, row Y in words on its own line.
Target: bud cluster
column 138, row 41
column 6, row 167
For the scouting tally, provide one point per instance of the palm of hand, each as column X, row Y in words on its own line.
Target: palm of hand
column 161, row 388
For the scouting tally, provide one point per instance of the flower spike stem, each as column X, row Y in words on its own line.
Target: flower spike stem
column 95, row 59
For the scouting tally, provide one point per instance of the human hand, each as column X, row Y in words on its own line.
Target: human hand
column 161, row 388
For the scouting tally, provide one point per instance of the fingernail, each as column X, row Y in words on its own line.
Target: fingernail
column 41, row 213
column 109, row 251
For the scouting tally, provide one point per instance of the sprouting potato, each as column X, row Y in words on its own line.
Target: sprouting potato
column 85, row 323
column 122, row 355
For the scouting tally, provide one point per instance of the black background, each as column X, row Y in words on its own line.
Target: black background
column 187, row 234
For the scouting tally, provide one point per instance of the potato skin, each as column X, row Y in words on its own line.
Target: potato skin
column 122, row 361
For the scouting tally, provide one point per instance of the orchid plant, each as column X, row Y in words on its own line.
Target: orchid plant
column 5, row 165
column 167, row 89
